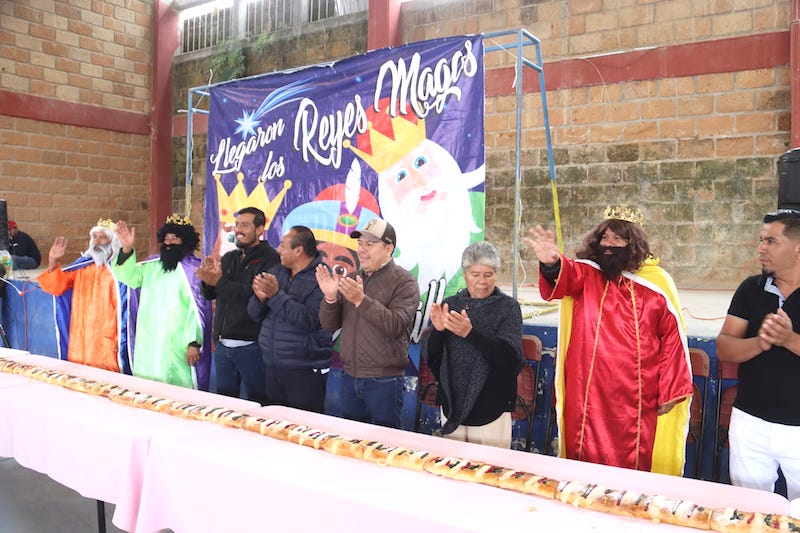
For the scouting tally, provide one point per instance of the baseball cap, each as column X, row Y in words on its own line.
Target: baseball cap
column 378, row 229
column 12, row 224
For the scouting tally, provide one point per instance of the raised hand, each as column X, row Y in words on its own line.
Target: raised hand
column 327, row 283
column 126, row 235
column 57, row 251
column 543, row 243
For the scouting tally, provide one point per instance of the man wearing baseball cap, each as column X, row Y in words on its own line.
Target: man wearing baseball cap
column 375, row 308
column 24, row 252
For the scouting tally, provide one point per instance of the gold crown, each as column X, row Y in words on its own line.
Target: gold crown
column 178, row 219
column 387, row 140
column 623, row 212
column 106, row 223
column 228, row 204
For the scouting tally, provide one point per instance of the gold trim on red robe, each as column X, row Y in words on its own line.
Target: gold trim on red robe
column 612, row 371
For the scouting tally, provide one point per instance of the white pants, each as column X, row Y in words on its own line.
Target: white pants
column 497, row 433
column 758, row 448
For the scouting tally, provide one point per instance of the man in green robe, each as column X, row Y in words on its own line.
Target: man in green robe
column 173, row 321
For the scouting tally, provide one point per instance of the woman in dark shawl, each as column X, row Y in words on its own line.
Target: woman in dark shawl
column 475, row 351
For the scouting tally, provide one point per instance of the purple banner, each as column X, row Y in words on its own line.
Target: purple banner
column 395, row 133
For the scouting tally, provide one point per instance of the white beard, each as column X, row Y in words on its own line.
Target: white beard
column 430, row 236
column 101, row 256
column 432, row 242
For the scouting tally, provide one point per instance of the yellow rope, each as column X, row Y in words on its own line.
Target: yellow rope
column 557, row 217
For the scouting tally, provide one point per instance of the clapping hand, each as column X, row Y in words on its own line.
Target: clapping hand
column 352, row 289
column 777, row 330
column 209, row 271
column 265, row 286
column 327, row 283
column 438, row 312
column 458, row 323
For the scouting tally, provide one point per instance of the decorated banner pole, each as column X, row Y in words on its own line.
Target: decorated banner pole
column 524, row 39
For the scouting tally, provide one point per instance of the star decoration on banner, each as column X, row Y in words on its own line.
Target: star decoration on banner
column 247, row 124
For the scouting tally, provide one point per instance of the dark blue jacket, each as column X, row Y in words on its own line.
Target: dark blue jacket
column 290, row 335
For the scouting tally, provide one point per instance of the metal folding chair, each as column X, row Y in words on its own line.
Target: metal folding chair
column 529, row 377
column 727, row 395
column 701, row 369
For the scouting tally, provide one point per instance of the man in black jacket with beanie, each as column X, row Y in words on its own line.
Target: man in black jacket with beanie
column 237, row 357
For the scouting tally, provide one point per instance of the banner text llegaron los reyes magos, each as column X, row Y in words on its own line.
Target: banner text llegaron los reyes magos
column 395, row 133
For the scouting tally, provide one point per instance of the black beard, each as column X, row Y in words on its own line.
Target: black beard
column 171, row 256
column 767, row 273
column 612, row 264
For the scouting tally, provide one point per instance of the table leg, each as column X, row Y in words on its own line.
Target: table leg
column 101, row 516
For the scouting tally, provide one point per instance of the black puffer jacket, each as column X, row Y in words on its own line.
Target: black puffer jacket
column 290, row 335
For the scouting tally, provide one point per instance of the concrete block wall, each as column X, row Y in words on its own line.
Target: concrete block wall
column 81, row 68
column 697, row 153
column 702, row 168
column 570, row 28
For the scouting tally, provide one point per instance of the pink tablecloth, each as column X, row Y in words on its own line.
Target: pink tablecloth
column 257, row 482
column 702, row 492
column 90, row 444
column 12, row 388
column 196, row 477
column 254, row 483
column 95, row 446
column 142, row 385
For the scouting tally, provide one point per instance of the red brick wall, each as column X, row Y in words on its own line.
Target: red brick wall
column 74, row 127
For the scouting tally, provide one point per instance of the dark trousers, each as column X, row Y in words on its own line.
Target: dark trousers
column 301, row 388
column 237, row 366
column 373, row 400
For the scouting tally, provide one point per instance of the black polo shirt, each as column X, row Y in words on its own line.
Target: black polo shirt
column 769, row 383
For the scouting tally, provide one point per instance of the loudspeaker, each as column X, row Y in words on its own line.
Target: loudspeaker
column 3, row 225
column 789, row 180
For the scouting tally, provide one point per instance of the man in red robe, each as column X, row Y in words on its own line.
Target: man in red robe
column 623, row 361
column 91, row 305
